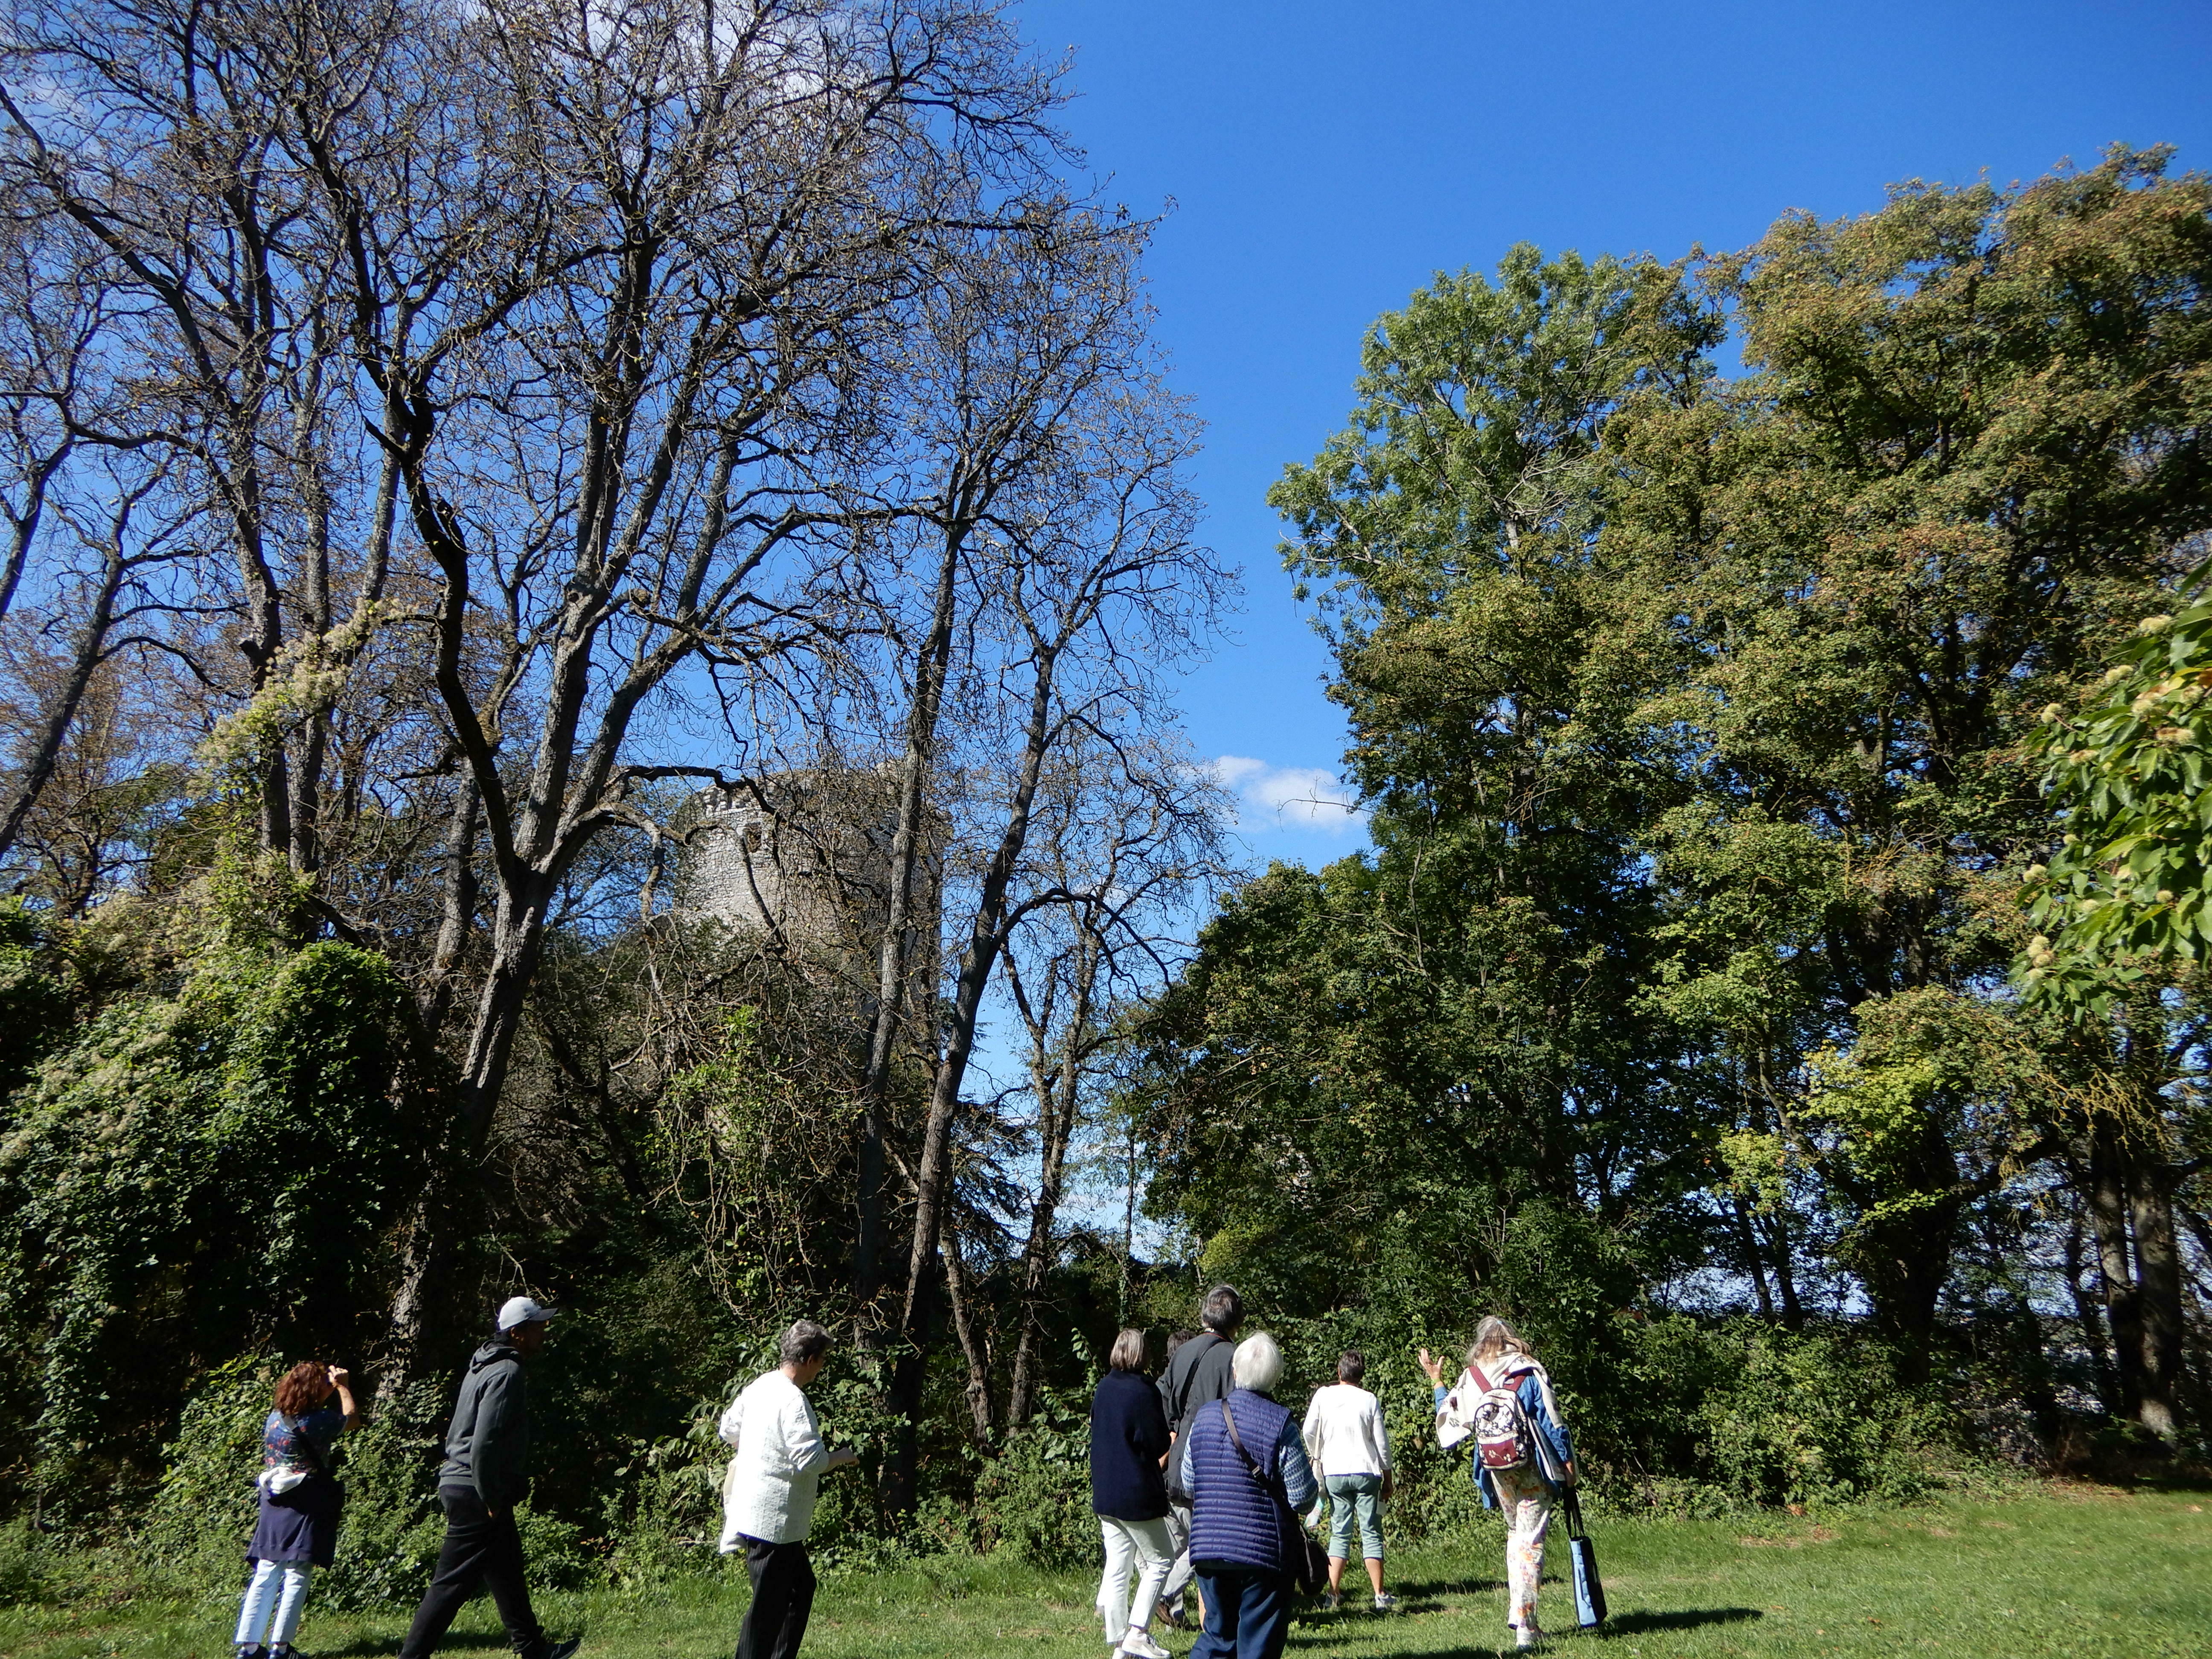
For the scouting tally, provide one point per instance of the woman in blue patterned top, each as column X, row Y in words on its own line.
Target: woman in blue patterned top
column 298, row 1530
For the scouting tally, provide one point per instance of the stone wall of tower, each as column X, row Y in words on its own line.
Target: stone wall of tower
column 806, row 855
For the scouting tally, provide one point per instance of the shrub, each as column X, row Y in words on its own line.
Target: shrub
column 1033, row 1499
column 26, row 1565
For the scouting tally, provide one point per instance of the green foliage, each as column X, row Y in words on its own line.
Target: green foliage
column 33, row 1000
column 2130, row 883
column 1690, row 712
column 197, row 1169
column 196, row 1529
column 27, row 1564
column 1789, row 1419
column 1033, row 1496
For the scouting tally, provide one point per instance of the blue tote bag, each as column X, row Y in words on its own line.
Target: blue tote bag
column 1589, row 1590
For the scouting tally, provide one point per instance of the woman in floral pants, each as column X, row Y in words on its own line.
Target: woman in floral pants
column 1524, row 1490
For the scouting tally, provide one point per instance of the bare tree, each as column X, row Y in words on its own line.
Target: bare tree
column 1014, row 341
column 1135, row 851
column 1099, row 590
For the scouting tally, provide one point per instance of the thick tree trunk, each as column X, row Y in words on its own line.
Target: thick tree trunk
column 517, row 938
column 2158, row 1290
column 2107, row 1197
column 1907, row 1259
column 435, row 999
column 1780, row 1251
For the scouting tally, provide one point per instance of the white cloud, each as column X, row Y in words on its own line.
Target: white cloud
column 1287, row 797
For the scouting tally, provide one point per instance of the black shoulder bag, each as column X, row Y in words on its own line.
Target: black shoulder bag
column 1178, row 1493
column 1310, row 1568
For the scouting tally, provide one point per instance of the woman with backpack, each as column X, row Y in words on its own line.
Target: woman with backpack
column 298, row 1528
column 1523, row 1459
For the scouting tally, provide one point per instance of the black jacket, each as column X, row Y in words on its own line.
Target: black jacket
column 1199, row 1372
column 491, row 1436
column 1128, row 1433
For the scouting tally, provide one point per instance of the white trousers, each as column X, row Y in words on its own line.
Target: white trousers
column 1145, row 1548
column 1527, row 1502
column 278, row 1588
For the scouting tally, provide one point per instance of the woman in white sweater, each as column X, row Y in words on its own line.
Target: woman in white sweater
column 777, row 1460
column 1351, row 1453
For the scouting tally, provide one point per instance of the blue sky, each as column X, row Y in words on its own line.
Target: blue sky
column 1325, row 160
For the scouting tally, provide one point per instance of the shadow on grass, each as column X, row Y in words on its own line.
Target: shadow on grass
column 366, row 1646
column 1639, row 1624
column 1429, row 1589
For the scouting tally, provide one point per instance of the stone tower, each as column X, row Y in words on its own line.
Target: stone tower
column 806, row 855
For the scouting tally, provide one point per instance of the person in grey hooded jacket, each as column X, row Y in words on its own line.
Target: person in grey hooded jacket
column 479, row 1484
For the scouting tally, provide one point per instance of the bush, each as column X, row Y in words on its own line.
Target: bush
column 1033, row 1499
column 26, row 1565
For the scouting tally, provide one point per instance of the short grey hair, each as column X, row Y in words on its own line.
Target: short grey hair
column 1128, row 1354
column 1258, row 1364
column 802, row 1342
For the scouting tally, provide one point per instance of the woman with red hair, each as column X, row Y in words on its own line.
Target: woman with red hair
column 298, row 1530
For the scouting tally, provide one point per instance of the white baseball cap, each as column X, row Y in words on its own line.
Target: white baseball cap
column 521, row 1311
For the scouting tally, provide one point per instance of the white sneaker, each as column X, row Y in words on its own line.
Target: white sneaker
column 1138, row 1645
column 1384, row 1601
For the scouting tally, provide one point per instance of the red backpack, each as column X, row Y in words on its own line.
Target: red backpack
column 1504, row 1438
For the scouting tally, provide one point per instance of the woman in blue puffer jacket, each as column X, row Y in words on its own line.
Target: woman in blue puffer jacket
column 1522, row 1466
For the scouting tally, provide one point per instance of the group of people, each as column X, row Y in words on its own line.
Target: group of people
column 479, row 1483
column 1205, row 1476
column 1200, row 1479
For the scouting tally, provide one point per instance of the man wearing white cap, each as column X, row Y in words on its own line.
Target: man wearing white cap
column 479, row 1484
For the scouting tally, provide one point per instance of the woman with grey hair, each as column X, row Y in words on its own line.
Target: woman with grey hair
column 1523, row 1457
column 1129, row 1495
column 1247, row 1476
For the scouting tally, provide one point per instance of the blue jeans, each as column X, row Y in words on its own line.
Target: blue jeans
column 1355, row 1498
column 1247, row 1615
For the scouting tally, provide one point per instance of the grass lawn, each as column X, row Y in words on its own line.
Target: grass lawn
column 2078, row 1572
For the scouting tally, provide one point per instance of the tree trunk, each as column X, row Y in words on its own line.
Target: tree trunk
column 892, row 956
column 1748, row 1242
column 517, row 938
column 87, row 653
column 435, row 999
column 1779, row 1249
column 2158, row 1290
column 971, row 1343
column 2108, row 1221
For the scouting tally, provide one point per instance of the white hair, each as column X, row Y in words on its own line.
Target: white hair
column 1258, row 1364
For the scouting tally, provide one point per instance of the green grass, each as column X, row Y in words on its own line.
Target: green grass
column 2079, row 1571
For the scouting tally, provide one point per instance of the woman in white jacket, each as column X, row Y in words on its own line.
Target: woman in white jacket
column 777, row 1460
column 1351, row 1453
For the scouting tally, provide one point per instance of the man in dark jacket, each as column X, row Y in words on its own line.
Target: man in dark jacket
column 1247, row 1475
column 1197, row 1371
column 479, row 1484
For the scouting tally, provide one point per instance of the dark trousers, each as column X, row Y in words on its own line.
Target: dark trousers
column 480, row 1550
column 783, row 1599
column 1247, row 1615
